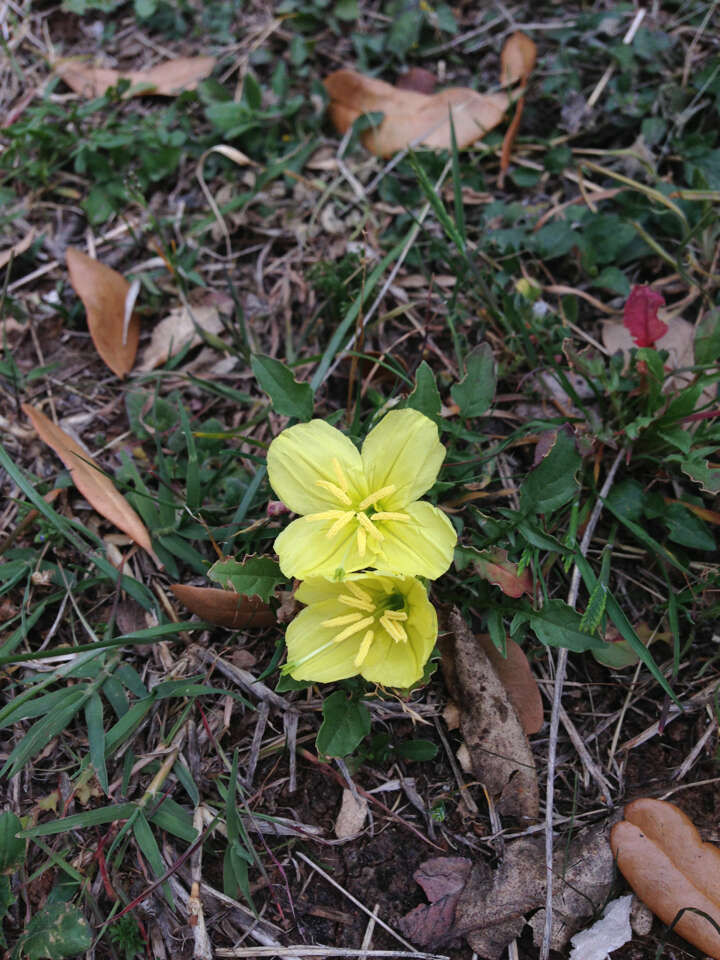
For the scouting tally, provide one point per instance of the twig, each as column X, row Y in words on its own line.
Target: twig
column 304, row 950
column 560, row 671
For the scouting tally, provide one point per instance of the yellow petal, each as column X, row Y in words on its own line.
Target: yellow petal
column 401, row 664
column 305, row 550
column 421, row 548
column 403, row 451
column 313, row 654
column 302, row 455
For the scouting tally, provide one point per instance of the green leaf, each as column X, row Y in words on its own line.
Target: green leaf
column 149, row 848
column 417, row 751
column 616, row 656
column 425, row 397
column 58, row 930
column 255, row 576
column 701, row 472
column 289, row 398
column 613, row 279
column 89, row 818
column 12, row 848
column 96, row 739
column 687, row 529
column 553, row 482
column 558, row 625
column 345, row 723
column 475, row 392
column 707, row 338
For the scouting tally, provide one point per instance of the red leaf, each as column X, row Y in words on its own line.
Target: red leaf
column 493, row 565
column 640, row 315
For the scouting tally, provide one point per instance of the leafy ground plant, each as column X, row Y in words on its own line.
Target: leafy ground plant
column 338, row 483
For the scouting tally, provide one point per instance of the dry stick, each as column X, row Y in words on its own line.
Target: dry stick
column 557, row 704
column 318, row 950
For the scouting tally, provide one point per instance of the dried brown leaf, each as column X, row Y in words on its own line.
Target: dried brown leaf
column 418, row 79
column 165, row 80
column 443, row 880
column 103, row 292
column 517, row 678
column 352, row 816
column 411, row 117
column 18, row 248
column 493, row 565
column 662, row 856
column 177, row 330
column 223, row 607
column 98, row 489
column 499, row 750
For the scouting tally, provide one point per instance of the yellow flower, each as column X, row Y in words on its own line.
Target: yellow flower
column 378, row 625
column 361, row 509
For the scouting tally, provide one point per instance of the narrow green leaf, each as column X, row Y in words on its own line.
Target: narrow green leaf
column 96, row 739
column 42, row 732
column 79, row 821
column 149, row 848
column 12, row 848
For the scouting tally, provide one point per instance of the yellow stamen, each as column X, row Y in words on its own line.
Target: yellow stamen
column 396, row 615
column 358, row 591
column 385, row 515
column 361, row 541
column 373, row 498
column 354, row 628
column 349, row 601
column 336, row 491
column 393, row 628
column 342, row 482
column 327, row 515
column 365, row 522
column 365, row 645
column 342, row 620
column 342, row 521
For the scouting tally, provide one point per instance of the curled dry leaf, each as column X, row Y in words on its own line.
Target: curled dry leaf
column 352, row 815
column 443, row 879
column 499, row 750
column 411, row 117
column 87, row 476
column 103, row 292
column 224, row 607
column 176, row 331
column 662, row 856
column 165, row 80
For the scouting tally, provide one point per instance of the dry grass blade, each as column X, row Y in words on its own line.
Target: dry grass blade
column 165, row 80
column 224, row 607
column 103, row 292
column 87, row 476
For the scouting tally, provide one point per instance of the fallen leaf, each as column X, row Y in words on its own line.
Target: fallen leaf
column 443, row 880
column 224, row 607
column 609, row 933
column 176, row 331
column 418, row 79
column 165, row 80
column 517, row 59
column 640, row 315
column 662, row 856
column 493, row 565
column 411, row 117
column 499, row 750
column 517, row 678
column 87, row 476
column 103, row 292
column 18, row 248
column 352, row 816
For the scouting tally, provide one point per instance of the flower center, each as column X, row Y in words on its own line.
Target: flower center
column 369, row 613
column 365, row 512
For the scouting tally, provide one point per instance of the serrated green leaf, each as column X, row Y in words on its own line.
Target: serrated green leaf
column 553, row 482
column 59, row 930
column 475, row 392
column 345, row 723
column 255, row 576
column 289, row 398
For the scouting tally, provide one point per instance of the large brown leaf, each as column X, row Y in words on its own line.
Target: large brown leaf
column 165, row 80
column 103, row 292
column 411, row 117
column 516, row 676
column 662, row 856
column 224, row 607
column 499, row 750
column 94, row 485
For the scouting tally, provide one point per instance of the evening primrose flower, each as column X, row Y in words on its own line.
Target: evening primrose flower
column 378, row 625
column 360, row 509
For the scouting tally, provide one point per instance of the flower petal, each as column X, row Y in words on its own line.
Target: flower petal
column 305, row 550
column 311, row 647
column 401, row 664
column 403, row 451
column 301, row 455
column 422, row 546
